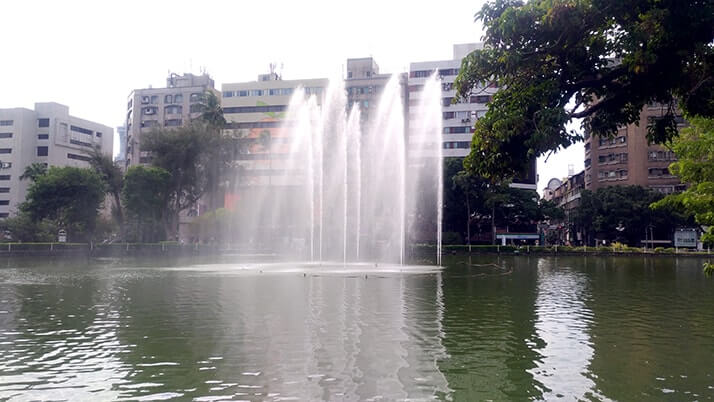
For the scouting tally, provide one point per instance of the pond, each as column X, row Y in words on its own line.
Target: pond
column 487, row 327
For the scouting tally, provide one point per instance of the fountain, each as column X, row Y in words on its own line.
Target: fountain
column 345, row 190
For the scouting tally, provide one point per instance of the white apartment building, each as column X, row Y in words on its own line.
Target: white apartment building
column 458, row 119
column 254, row 111
column 49, row 135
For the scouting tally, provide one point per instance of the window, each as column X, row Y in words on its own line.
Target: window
column 255, row 109
column 145, row 100
column 129, row 104
column 5, row 135
column 457, row 130
column 349, row 74
column 587, row 147
column 168, row 99
column 43, row 136
column 6, row 122
column 4, row 202
column 587, row 162
column 365, row 103
column 43, row 122
column 150, row 123
column 195, row 97
column 481, row 99
column 5, row 150
column 4, row 214
column 448, row 71
column 42, row 151
column 287, row 91
column 173, row 109
column 4, row 177
column 243, row 93
column 149, row 110
column 274, row 92
column 420, row 73
column 256, row 92
column 447, row 101
column 78, row 157
column 81, row 130
column 72, row 141
column 4, row 189
column 228, row 94
column 154, row 99
column 172, row 123
column 448, row 115
column 178, row 98
column 99, row 135
column 447, row 86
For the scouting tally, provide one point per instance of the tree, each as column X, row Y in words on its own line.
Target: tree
column 695, row 165
column 623, row 213
column 184, row 153
column 68, row 196
column 113, row 179
column 600, row 61
column 212, row 117
column 146, row 194
column 22, row 228
column 33, row 171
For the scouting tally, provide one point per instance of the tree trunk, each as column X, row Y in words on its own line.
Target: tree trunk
column 468, row 222
column 493, row 224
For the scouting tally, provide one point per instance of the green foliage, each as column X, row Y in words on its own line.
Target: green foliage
column 695, row 165
column 708, row 268
column 33, row 171
column 145, row 194
column 597, row 60
column 68, row 196
column 113, row 180
column 628, row 207
column 213, row 225
column 23, row 229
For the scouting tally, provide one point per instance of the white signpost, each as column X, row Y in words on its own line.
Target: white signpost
column 685, row 238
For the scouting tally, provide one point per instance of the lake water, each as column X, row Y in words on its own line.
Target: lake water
column 510, row 328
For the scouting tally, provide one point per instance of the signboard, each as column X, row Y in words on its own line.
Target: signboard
column 685, row 238
column 62, row 236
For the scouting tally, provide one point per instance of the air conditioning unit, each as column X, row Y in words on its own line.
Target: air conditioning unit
column 465, row 120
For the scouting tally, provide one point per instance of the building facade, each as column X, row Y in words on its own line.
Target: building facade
column 254, row 112
column 566, row 195
column 458, row 119
column 173, row 106
column 48, row 134
column 628, row 159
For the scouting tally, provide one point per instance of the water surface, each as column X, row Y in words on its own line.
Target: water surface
column 512, row 328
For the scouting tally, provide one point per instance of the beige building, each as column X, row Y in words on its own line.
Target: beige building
column 48, row 134
column 172, row 106
column 254, row 112
column 628, row 159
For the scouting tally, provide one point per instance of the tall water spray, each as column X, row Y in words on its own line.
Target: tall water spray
column 343, row 187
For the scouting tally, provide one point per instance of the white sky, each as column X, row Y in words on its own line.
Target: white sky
column 91, row 54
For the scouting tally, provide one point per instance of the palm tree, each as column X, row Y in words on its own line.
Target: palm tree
column 212, row 117
column 113, row 179
column 34, row 171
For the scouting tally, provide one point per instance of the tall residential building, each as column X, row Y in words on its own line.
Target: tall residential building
column 364, row 85
column 458, row 119
column 628, row 159
column 254, row 111
column 173, row 106
column 49, row 135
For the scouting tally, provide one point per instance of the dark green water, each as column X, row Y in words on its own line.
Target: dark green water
column 533, row 328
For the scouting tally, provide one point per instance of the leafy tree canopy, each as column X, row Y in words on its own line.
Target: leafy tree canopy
column 603, row 211
column 695, row 165
column 34, row 170
column 600, row 61
column 69, row 196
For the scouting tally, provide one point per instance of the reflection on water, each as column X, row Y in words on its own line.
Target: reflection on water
column 486, row 328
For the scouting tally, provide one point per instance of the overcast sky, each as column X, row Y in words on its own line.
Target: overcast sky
column 90, row 54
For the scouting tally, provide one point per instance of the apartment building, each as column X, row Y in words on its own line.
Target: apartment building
column 46, row 134
column 628, row 159
column 364, row 85
column 566, row 194
column 173, row 106
column 254, row 112
column 458, row 119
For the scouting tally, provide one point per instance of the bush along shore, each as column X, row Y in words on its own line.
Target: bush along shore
column 616, row 249
column 104, row 250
